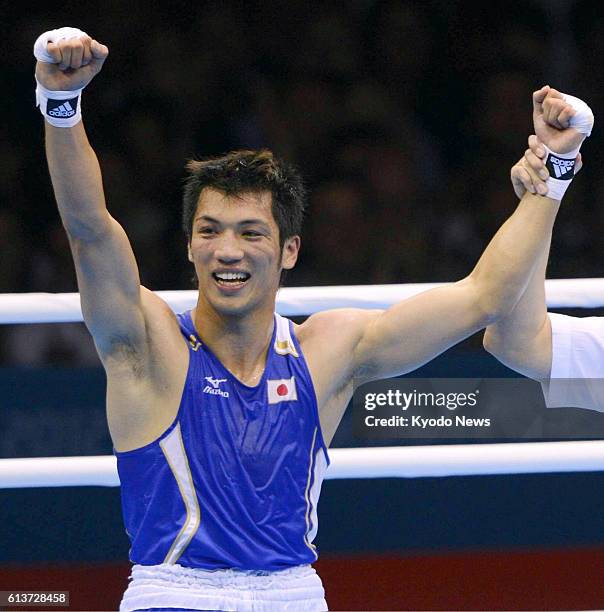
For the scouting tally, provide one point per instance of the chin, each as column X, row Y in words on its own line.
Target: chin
column 232, row 306
column 231, row 310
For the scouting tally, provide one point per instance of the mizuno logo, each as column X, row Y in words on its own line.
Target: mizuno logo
column 215, row 382
column 62, row 108
column 215, row 389
column 559, row 167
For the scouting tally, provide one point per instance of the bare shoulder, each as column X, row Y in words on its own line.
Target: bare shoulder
column 329, row 339
column 346, row 325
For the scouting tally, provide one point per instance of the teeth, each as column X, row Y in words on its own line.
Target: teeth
column 230, row 276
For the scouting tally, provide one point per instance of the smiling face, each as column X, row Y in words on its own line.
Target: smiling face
column 235, row 249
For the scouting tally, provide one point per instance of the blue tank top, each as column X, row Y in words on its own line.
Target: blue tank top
column 235, row 480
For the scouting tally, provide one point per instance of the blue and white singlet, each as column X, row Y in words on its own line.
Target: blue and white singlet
column 235, row 480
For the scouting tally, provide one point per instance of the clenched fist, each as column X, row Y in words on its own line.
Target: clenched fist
column 68, row 64
column 552, row 116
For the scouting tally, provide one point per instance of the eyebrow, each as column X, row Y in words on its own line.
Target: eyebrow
column 244, row 222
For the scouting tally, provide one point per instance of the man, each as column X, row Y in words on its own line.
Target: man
column 565, row 353
column 221, row 416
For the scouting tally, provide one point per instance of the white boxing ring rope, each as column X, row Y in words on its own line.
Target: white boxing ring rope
column 291, row 301
column 378, row 462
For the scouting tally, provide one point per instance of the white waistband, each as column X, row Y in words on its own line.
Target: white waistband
column 296, row 589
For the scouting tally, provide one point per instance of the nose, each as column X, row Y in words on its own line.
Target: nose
column 228, row 249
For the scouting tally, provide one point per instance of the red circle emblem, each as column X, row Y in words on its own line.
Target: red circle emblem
column 282, row 389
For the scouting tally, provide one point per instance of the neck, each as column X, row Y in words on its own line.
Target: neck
column 241, row 343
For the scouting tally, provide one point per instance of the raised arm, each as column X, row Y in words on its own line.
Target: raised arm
column 107, row 273
column 416, row 330
column 522, row 339
column 410, row 333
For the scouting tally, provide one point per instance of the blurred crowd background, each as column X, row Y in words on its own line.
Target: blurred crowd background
column 404, row 117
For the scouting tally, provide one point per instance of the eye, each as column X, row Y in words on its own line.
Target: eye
column 252, row 234
column 206, row 230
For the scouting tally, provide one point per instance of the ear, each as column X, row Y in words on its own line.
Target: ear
column 289, row 256
column 189, row 254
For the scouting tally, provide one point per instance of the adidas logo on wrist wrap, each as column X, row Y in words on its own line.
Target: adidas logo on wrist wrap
column 59, row 108
column 62, row 109
column 560, row 168
column 561, row 172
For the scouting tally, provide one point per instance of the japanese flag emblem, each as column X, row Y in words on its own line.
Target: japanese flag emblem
column 282, row 390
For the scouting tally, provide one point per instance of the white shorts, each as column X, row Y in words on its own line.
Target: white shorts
column 297, row 589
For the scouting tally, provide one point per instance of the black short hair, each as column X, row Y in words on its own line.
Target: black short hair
column 248, row 171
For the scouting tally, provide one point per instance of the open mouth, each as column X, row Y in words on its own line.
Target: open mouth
column 231, row 279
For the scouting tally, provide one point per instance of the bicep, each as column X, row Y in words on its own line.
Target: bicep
column 416, row 330
column 109, row 285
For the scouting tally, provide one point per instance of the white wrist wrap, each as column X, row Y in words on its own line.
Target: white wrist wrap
column 59, row 108
column 561, row 166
